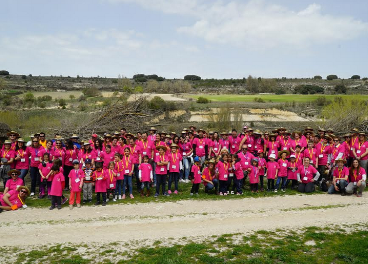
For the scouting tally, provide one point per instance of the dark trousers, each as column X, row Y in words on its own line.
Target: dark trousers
column 136, row 174
column 229, row 180
column 98, row 197
column 67, row 170
column 55, row 200
column 271, row 184
column 35, row 178
column 306, row 187
column 210, row 186
column 238, row 184
column 173, row 177
column 281, row 180
column 223, row 186
column 112, row 192
column 294, row 183
column 195, row 188
column 254, row 187
column 160, row 181
column 261, row 178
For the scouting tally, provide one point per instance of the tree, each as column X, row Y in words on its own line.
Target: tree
column 203, row 100
column 72, row 97
column 91, row 92
column 192, row 78
column 124, row 82
column 62, row 103
column 340, row 89
column 252, row 84
column 332, row 77
column 3, row 72
column 317, row 77
column 152, row 86
column 3, row 84
column 355, row 77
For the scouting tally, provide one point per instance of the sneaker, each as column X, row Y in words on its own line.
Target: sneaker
column 90, row 201
column 221, row 194
column 114, row 200
column 275, row 190
column 237, row 193
column 191, row 194
column 225, row 194
column 84, row 201
column 232, row 192
column 166, row 194
column 359, row 194
column 97, row 203
column 186, row 181
column 104, row 204
column 107, row 200
column 131, row 196
column 115, row 197
column 119, row 197
column 156, row 195
column 181, row 180
column 71, row 206
column 59, row 207
column 52, row 207
column 123, row 197
column 175, row 192
column 283, row 190
column 169, row 191
column 64, row 200
column 32, row 194
column 78, row 206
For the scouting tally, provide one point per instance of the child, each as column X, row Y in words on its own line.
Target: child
column 56, row 187
column 272, row 170
column 175, row 160
column 282, row 173
column 196, row 174
column 261, row 165
column 292, row 172
column 76, row 176
column 100, row 184
column 239, row 175
column 128, row 166
column 253, row 175
column 59, row 164
column 222, row 167
column 46, row 175
column 161, row 170
column 111, row 181
column 88, row 181
column 119, row 168
column 145, row 175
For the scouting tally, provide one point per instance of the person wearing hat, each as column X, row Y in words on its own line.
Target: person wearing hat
column 152, row 134
column 36, row 157
column 214, row 145
column 311, row 152
column 209, row 177
column 9, row 154
column 196, row 175
column 12, row 136
column 360, row 150
column 136, row 153
column 321, row 132
column 14, row 199
column 273, row 145
column 338, row 151
column 224, row 141
column 291, row 172
column 200, row 147
column 282, row 173
column 88, row 153
column 21, row 158
column 74, row 139
column 307, row 175
column 76, row 177
column 357, row 179
column 146, row 146
column 323, row 151
column 14, row 182
column 234, row 141
column 340, row 178
column 71, row 153
column 161, row 161
column 297, row 140
column 186, row 152
column 272, row 169
column 175, row 161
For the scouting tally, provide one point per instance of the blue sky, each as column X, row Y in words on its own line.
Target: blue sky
column 172, row 38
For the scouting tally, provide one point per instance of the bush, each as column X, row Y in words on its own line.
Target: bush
column 62, row 103
column 3, row 72
column 258, row 100
column 203, row 100
column 156, row 103
column 192, row 78
column 91, row 92
column 29, row 98
column 332, row 77
column 309, row 89
column 280, row 91
column 82, row 107
column 45, row 98
column 340, row 89
column 317, row 77
column 72, row 97
column 321, row 101
column 355, row 77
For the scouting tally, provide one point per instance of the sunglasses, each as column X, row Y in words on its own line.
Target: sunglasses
column 35, row 141
column 245, row 149
column 12, row 135
column 336, row 140
column 13, row 174
column 23, row 191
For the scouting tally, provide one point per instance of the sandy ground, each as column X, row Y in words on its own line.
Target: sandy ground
column 166, row 97
column 190, row 218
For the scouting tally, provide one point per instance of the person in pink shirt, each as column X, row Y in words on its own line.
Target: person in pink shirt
column 234, row 142
column 215, row 146
column 14, row 199
column 146, row 146
column 338, row 151
column 196, row 175
column 57, row 185
column 360, row 151
column 49, row 149
column 186, row 151
column 161, row 161
column 128, row 165
column 307, row 175
column 238, row 174
column 200, row 147
column 297, row 141
column 76, row 176
column 340, row 178
column 175, row 163
column 282, row 173
column 286, row 143
column 111, row 175
column 7, row 155
column 98, row 151
column 253, row 175
column 222, row 169
column 100, row 180
column 357, row 179
column 271, row 173
column 323, row 154
column 145, row 175
column 311, row 153
column 21, row 158
column 272, row 146
column 87, row 152
column 245, row 156
column 152, row 135
column 35, row 152
column 119, row 168
column 258, row 142
column 14, row 182
column 46, row 175
column 136, row 154
column 262, row 166
column 292, row 172
column 70, row 154
column 107, row 156
column 224, row 141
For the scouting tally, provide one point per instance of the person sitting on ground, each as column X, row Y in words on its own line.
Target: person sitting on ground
column 14, row 199
column 340, row 178
column 209, row 177
column 357, row 178
column 307, row 175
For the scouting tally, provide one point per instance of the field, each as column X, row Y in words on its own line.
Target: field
column 270, row 97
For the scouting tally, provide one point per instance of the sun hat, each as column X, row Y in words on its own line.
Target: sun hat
column 23, row 187
column 75, row 161
column 272, row 156
column 74, row 136
column 284, row 151
column 7, row 142
column 161, row 147
column 13, row 171
column 20, row 140
column 12, row 133
column 173, row 145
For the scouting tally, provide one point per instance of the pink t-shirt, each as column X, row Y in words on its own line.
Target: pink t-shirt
column 23, row 163
column 69, row 156
column 175, row 160
column 135, row 152
column 111, row 179
column 185, row 148
column 355, row 177
column 216, row 148
column 45, row 170
column 238, row 171
column 272, row 147
column 196, row 174
column 272, row 167
column 100, row 181
column 146, row 170
column 107, row 158
column 225, row 143
column 119, row 168
column 361, row 148
column 283, row 165
column 262, row 163
column 306, row 175
column 75, row 179
column 161, row 169
column 50, row 152
column 98, row 155
column 127, row 164
column 341, row 174
column 59, row 154
column 234, row 144
column 36, row 156
column 146, row 148
column 292, row 171
column 246, row 159
column 84, row 155
column 311, row 154
column 253, row 174
column 13, row 199
column 200, row 146
column 13, row 185
column 322, row 153
column 222, row 169
column 57, row 184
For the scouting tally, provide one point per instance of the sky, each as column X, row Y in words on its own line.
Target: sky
column 173, row 38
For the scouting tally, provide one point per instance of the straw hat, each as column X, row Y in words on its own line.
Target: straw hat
column 284, row 151
column 152, row 129
column 20, row 140
column 74, row 136
column 12, row 133
column 23, row 187
column 161, row 147
column 7, row 142
column 173, row 145
column 13, row 171
column 212, row 161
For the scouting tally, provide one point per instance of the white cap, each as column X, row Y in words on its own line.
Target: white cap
column 292, row 156
column 273, row 156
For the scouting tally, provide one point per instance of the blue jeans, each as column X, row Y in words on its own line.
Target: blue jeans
column 173, row 177
column 23, row 173
column 210, row 187
column 128, row 180
column 35, row 178
column 154, row 172
column 283, row 185
column 161, row 181
column 341, row 186
column 118, row 186
column 186, row 163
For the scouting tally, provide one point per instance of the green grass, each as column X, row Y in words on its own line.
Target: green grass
column 309, row 245
column 271, row 97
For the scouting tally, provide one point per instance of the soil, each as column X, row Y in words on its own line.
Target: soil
column 172, row 221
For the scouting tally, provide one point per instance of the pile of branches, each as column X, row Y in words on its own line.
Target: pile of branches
column 134, row 116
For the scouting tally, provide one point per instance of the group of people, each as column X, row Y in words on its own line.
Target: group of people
column 222, row 162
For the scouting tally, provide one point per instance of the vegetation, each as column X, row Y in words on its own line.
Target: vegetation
column 192, row 78
column 309, row 89
column 91, row 92
column 317, row 77
column 3, row 72
column 331, row 77
column 340, row 89
column 355, row 77
column 203, row 100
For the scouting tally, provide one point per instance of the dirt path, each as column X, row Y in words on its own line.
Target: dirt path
column 160, row 221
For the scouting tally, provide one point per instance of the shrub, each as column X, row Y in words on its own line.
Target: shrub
column 3, row 72
column 91, row 92
column 332, row 77
column 62, row 103
column 258, row 100
column 355, row 77
column 321, row 101
column 82, row 107
column 309, row 89
column 29, row 98
column 156, row 103
column 280, row 91
column 317, row 77
column 340, row 89
column 203, row 100
column 72, row 97
column 45, row 98
column 192, row 78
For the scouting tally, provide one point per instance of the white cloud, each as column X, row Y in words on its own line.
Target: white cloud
column 258, row 24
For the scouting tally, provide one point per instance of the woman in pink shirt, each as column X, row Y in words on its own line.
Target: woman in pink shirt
column 161, row 161
column 307, row 175
column 357, row 178
column 14, row 199
column 282, row 173
column 360, row 150
column 35, row 151
column 175, row 161
column 186, row 151
column 272, row 146
column 14, row 182
column 21, row 158
column 100, row 180
column 340, row 178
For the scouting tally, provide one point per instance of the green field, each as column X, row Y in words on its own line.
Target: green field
column 272, row 97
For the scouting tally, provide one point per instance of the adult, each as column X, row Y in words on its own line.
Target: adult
column 360, row 151
column 357, row 178
column 273, row 145
column 71, row 154
column 14, row 182
column 209, row 177
column 14, row 199
column 7, row 160
column 200, row 147
column 186, row 150
column 12, row 137
column 21, row 158
column 35, row 152
column 136, row 154
column 74, row 139
column 234, row 141
column 340, row 178
column 42, row 139
column 307, row 175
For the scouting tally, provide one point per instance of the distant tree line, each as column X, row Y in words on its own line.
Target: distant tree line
column 144, row 78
